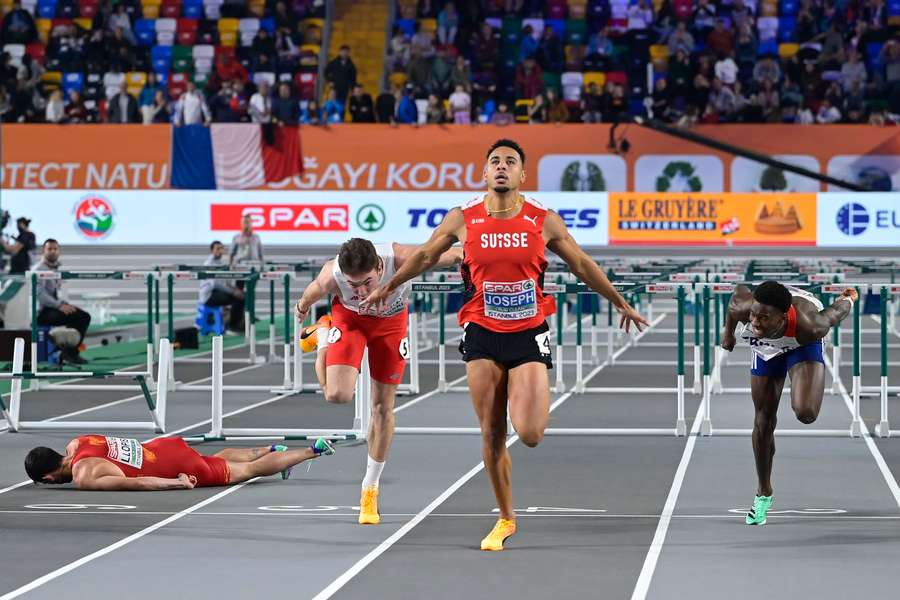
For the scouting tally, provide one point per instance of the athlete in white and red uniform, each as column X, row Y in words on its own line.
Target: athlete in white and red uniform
column 506, row 343
column 359, row 268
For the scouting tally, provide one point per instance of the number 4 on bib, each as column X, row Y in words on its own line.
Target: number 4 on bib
column 543, row 342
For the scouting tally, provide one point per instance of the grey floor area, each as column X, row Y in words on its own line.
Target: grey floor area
column 590, row 507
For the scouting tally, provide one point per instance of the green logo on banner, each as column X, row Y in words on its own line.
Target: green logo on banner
column 370, row 217
column 679, row 176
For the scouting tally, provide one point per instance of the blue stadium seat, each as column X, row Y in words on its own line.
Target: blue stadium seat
column 558, row 25
column 786, row 26
column 407, row 26
column 788, row 8
column 161, row 57
column 268, row 24
column 893, row 8
column 162, row 77
column 72, row 81
column 767, row 47
column 145, row 31
column 192, row 9
column 46, row 9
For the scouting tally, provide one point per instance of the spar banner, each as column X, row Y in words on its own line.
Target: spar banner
column 357, row 157
column 283, row 218
column 669, row 218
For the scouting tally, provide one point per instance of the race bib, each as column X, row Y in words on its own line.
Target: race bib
column 126, row 451
column 543, row 343
column 404, row 349
column 334, row 334
column 511, row 300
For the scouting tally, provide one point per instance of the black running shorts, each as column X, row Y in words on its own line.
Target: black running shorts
column 510, row 350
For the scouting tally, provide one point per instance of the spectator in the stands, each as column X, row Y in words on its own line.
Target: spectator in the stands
column 890, row 58
column 341, row 73
column 53, row 310
column 680, row 39
column 766, row 69
column 550, row 53
column 76, row 112
column 537, row 110
column 418, row 71
column 528, row 44
column 485, row 46
column 448, row 24
column 661, row 100
column 591, row 104
column 285, row 19
column 285, row 108
column 311, row 114
column 120, row 20
column 161, row 111
column 726, row 69
column 229, row 69
column 260, row 107
column 722, row 102
column 229, row 104
column 398, row 51
column 853, row 72
column 557, row 111
column 263, row 44
column 286, row 51
column 529, row 79
column 385, row 107
column 832, row 42
column 55, row 111
column 333, row 109
column 461, row 106
column 441, row 73
column 600, row 43
column 434, row 111
column 148, row 92
column 423, row 41
column 827, row 113
column 20, row 247
column 741, row 14
column 703, row 18
column 18, row 26
column 720, row 40
column 769, row 102
column 219, row 292
column 461, row 74
column 246, row 246
column 123, row 108
column 640, row 16
column 361, row 107
column 407, row 113
column 502, row 116
column 191, row 108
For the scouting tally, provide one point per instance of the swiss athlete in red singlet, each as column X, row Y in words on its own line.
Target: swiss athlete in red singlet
column 506, row 341
column 105, row 463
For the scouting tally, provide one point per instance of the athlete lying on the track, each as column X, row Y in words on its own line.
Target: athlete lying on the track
column 785, row 328
column 101, row 463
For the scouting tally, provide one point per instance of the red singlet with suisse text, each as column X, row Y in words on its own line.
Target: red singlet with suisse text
column 503, row 269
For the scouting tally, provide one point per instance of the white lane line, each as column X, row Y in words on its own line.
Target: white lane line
column 659, row 537
column 362, row 563
column 113, row 547
column 889, row 478
column 426, row 395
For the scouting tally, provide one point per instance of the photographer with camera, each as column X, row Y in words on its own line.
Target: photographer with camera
column 19, row 247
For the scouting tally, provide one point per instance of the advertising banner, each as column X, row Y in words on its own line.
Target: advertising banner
column 712, row 219
column 284, row 218
column 847, row 219
column 567, row 158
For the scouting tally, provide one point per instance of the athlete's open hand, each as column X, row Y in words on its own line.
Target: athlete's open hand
column 627, row 316
column 188, row 481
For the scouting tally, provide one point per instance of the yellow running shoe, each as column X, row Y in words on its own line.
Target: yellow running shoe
column 501, row 531
column 368, row 507
column 309, row 339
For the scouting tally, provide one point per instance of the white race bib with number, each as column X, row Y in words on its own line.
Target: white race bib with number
column 404, row 349
column 543, row 342
column 127, row 451
column 510, row 300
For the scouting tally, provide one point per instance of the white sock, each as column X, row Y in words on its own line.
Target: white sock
column 373, row 473
column 322, row 339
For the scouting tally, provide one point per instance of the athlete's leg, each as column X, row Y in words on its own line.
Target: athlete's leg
column 341, row 383
column 243, row 454
column 270, row 464
column 529, row 401
column 766, row 393
column 488, row 389
column 321, row 354
column 807, row 390
column 381, row 428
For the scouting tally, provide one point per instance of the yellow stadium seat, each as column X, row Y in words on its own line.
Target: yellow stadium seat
column 769, row 10
column 659, row 51
column 320, row 23
column 44, row 26
column 595, row 77
column 151, row 11
column 228, row 38
column 52, row 77
column 85, row 23
column 314, row 48
column 135, row 78
column 258, row 9
column 229, row 25
column 895, row 20
column 428, row 25
column 788, row 50
column 522, row 115
column 398, row 80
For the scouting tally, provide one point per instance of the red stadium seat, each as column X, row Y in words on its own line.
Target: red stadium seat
column 170, row 9
column 88, row 8
column 186, row 32
column 177, row 84
column 36, row 51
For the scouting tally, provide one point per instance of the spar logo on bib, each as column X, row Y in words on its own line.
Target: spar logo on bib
column 94, row 217
column 510, row 300
column 127, row 451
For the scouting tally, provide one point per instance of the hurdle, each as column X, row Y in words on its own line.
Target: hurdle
column 887, row 293
column 33, row 277
column 218, row 432
column 157, row 406
column 707, row 428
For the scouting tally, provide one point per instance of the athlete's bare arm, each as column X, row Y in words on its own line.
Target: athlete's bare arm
column 559, row 240
column 813, row 325
column 451, row 230
column 323, row 284
column 100, row 475
column 738, row 312
column 402, row 252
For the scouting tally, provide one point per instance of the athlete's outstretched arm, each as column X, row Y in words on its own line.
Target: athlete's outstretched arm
column 324, row 283
column 120, row 483
column 424, row 257
column 738, row 312
column 560, row 241
column 824, row 320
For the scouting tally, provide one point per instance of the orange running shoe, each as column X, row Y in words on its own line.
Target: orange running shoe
column 309, row 338
column 368, row 507
column 501, row 531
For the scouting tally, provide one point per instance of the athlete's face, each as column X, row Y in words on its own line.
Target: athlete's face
column 766, row 321
column 364, row 284
column 60, row 475
column 504, row 170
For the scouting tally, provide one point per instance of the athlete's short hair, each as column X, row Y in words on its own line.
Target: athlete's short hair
column 507, row 143
column 41, row 461
column 356, row 256
column 774, row 294
column 214, row 244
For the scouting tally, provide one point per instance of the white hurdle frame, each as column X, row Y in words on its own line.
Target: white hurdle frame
column 157, row 412
column 887, row 293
